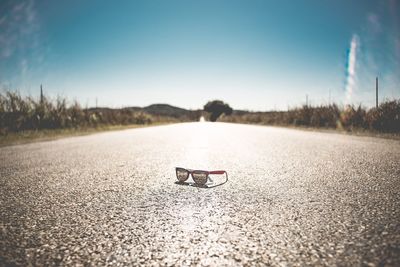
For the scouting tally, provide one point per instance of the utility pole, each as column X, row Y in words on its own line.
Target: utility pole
column 376, row 86
column 41, row 95
column 96, row 102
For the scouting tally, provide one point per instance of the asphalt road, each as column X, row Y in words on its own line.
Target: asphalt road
column 293, row 198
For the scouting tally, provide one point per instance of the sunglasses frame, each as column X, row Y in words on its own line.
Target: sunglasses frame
column 190, row 172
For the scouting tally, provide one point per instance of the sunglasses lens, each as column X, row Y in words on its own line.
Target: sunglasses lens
column 182, row 175
column 200, row 177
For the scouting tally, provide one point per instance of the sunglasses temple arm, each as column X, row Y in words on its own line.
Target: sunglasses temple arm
column 217, row 172
column 220, row 172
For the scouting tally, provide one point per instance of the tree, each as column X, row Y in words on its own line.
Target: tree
column 217, row 108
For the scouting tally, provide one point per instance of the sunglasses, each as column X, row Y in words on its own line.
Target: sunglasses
column 199, row 177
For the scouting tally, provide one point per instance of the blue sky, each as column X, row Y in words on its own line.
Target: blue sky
column 256, row 55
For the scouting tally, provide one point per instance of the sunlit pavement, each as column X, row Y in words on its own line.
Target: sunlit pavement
column 293, row 198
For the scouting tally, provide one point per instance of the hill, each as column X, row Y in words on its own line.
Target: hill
column 159, row 110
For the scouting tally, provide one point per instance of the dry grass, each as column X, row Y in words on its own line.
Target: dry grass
column 25, row 114
column 24, row 119
column 384, row 119
column 48, row 135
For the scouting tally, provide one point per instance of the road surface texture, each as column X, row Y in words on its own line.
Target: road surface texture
column 294, row 198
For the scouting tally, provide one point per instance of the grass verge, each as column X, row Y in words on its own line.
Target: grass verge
column 353, row 132
column 31, row 136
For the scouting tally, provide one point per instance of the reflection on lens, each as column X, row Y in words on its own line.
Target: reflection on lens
column 182, row 174
column 200, row 177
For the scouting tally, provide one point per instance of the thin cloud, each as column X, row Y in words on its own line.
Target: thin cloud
column 18, row 28
column 374, row 23
column 19, row 37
